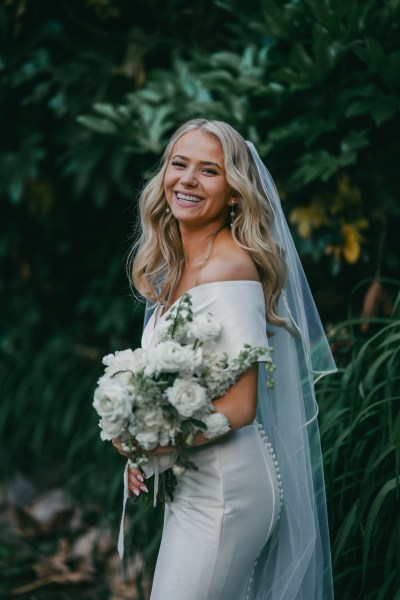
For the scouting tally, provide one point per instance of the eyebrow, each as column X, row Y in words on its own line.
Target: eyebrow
column 202, row 162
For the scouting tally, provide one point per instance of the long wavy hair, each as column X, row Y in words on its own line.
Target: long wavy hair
column 155, row 262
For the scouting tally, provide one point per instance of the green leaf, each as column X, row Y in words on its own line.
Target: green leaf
column 385, row 65
column 198, row 423
column 380, row 106
column 372, row 517
column 319, row 164
column 326, row 15
column 326, row 50
column 280, row 20
column 96, row 124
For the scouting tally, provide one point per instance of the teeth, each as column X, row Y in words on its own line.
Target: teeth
column 188, row 198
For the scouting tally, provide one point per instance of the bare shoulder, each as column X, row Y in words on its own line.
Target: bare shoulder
column 228, row 262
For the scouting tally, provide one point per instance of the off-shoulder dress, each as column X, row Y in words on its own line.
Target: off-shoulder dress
column 223, row 514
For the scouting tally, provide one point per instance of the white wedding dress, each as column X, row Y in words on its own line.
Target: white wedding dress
column 223, row 514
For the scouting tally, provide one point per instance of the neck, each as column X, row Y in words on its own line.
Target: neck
column 196, row 243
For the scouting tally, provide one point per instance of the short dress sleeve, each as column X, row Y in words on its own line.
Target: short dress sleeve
column 239, row 307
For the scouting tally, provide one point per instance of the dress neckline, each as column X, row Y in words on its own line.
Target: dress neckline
column 157, row 318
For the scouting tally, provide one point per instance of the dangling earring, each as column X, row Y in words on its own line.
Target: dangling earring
column 232, row 212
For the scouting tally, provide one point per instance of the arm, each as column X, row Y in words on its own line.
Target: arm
column 239, row 404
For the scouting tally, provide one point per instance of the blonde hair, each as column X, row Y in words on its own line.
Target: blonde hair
column 157, row 264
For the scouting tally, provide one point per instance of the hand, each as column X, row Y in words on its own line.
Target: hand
column 159, row 450
column 135, row 476
column 135, row 482
column 118, row 446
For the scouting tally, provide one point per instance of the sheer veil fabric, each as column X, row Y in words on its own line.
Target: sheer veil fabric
column 295, row 563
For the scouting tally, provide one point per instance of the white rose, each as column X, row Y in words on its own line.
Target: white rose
column 170, row 357
column 217, row 424
column 112, row 400
column 187, row 396
column 205, row 327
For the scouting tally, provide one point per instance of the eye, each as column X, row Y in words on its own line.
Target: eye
column 210, row 171
column 178, row 163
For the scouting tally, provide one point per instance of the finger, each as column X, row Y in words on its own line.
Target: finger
column 134, row 482
column 136, row 485
column 137, row 473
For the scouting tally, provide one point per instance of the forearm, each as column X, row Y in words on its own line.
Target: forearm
column 239, row 404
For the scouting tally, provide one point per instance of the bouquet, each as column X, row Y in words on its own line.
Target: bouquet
column 162, row 395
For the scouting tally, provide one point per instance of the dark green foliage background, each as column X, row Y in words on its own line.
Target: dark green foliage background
column 90, row 92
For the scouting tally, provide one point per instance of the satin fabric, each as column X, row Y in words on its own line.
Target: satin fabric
column 223, row 514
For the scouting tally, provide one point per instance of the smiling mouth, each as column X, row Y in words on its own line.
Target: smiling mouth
column 188, row 198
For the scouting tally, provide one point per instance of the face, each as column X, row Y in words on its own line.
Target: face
column 195, row 183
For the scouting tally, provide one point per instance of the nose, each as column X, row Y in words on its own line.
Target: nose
column 188, row 178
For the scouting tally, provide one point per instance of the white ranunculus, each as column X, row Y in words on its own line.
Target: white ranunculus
column 153, row 417
column 126, row 360
column 194, row 360
column 165, row 438
column 205, row 327
column 125, row 378
column 134, row 427
column 217, row 424
column 170, row 357
column 110, row 429
column 139, row 360
column 148, row 439
column 108, row 359
column 112, row 400
column 187, row 396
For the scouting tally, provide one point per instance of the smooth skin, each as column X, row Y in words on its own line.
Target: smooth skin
column 196, row 171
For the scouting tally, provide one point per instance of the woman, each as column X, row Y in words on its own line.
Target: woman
column 251, row 522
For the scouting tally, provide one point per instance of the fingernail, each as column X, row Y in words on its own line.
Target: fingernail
column 140, row 478
column 144, row 488
column 136, row 492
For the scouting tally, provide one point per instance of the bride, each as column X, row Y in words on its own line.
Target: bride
column 250, row 523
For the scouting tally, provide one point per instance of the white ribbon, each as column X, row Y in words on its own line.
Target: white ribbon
column 156, row 479
column 158, row 465
column 120, row 546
